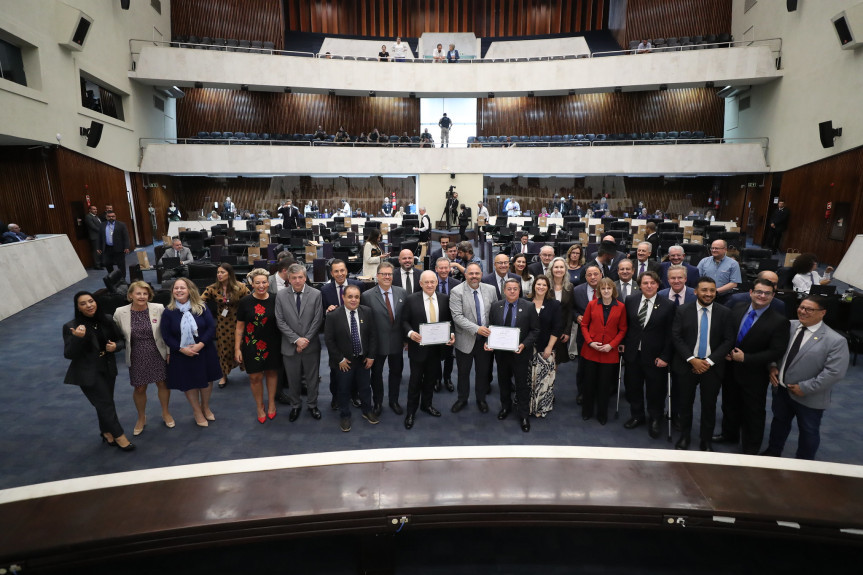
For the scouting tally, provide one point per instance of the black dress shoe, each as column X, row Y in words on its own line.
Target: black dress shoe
column 482, row 405
column 633, row 422
column 449, row 385
column 355, row 401
column 377, row 409
column 720, row 438
column 397, row 409
column 525, row 424
column 579, row 399
column 705, row 446
column 315, row 412
column 431, row 411
column 409, row 421
column 295, row 413
column 437, row 386
column 653, row 428
column 683, row 442
column 458, row 405
column 503, row 413
column 602, row 419
column 586, row 417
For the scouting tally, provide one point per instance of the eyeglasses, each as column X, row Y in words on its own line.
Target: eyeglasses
column 809, row 309
column 386, row 275
column 762, row 293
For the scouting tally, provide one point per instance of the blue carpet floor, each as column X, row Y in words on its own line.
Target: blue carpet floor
column 50, row 430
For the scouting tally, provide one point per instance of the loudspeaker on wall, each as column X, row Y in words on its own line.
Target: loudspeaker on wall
column 93, row 134
column 827, row 133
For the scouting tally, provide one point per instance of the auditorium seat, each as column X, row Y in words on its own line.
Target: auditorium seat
column 231, row 45
column 256, row 46
column 218, row 44
column 178, row 40
column 206, row 41
column 243, row 46
column 590, row 137
column 686, row 135
column 193, row 40
column 269, row 46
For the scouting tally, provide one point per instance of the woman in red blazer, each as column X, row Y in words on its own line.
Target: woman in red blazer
column 603, row 327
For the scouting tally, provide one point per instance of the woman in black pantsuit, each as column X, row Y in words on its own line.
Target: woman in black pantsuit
column 90, row 341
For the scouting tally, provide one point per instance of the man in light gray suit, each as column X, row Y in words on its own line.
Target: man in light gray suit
column 469, row 304
column 386, row 302
column 299, row 315
column 816, row 359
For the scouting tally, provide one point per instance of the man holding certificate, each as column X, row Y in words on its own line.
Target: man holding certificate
column 427, row 324
column 513, row 327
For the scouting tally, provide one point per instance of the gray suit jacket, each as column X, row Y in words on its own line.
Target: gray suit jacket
column 819, row 365
column 390, row 338
column 307, row 324
column 634, row 289
column 463, row 310
column 94, row 227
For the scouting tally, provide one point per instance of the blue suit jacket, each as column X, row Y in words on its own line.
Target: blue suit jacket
column 691, row 274
column 688, row 297
column 330, row 295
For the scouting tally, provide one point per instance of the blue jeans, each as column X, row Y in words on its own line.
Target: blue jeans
column 785, row 410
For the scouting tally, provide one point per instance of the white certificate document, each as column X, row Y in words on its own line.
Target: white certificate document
column 504, row 338
column 435, row 333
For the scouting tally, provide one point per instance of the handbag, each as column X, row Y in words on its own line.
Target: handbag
column 790, row 256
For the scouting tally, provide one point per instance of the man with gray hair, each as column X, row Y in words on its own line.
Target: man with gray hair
column 642, row 262
column 425, row 225
column 299, row 315
column 676, row 256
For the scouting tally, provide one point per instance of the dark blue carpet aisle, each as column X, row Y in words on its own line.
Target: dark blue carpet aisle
column 50, row 430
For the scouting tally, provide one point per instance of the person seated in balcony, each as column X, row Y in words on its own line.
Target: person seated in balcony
column 214, row 216
column 383, row 55
column 438, row 54
column 374, row 136
column 452, row 54
column 362, row 138
column 644, row 47
column 404, row 139
column 320, row 133
column 426, row 140
column 342, row 135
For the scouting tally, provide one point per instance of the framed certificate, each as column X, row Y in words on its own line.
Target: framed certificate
column 504, row 338
column 435, row 333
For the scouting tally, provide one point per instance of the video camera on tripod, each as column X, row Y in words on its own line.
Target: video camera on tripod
column 449, row 192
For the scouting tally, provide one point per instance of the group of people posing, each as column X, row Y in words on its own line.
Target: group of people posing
column 620, row 319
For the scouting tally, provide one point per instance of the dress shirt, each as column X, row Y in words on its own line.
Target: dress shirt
column 346, row 210
column 638, row 267
column 698, row 308
column 650, row 303
column 344, row 286
column 408, row 276
column 803, row 282
column 807, row 333
column 280, row 283
column 681, row 293
column 109, row 234
column 758, row 314
column 630, row 288
column 426, row 307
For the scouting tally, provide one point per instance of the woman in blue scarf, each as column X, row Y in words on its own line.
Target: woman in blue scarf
column 193, row 362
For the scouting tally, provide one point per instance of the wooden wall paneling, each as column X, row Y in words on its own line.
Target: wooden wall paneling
column 28, row 184
column 675, row 18
column 806, row 191
column 231, row 110
column 603, row 113
column 412, row 18
column 240, row 19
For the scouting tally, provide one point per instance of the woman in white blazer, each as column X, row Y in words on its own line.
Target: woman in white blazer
column 372, row 253
column 146, row 352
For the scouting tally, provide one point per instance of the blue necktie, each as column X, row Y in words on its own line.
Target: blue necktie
column 478, row 308
column 355, row 335
column 704, row 334
column 298, row 301
column 747, row 324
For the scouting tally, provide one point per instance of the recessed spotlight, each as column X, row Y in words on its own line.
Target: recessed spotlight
column 287, row 89
column 332, row 92
column 530, row 94
column 663, row 87
column 572, row 92
column 413, row 94
column 372, row 94
column 618, row 90
column 244, row 87
column 709, row 84
column 199, row 84
column 491, row 94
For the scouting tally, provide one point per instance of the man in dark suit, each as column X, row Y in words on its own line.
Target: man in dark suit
column 407, row 276
column 582, row 294
column 114, row 243
column 777, row 225
column 440, row 253
column 703, row 335
column 647, row 353
column 94, row 228
column 642, row 262
column 743, row 297
column 606, row 261
column 500, row 274
column 387, row 302
column 522, row 246
column 762, row 338
column 512, row 366
column 653, row 238
column 290, row 216
column 332, row 296
column 803, row 379
column 424, row 306
column 546, row 254
column 626, row 284
column 451, row 209
column 470, row 304
column 679, row 293
column 445, row 285
column 676, row 257
column 299, row 315
column 352, row 345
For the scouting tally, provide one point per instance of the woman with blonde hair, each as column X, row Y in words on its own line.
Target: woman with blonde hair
column 257, row 341
column 146, row 352
column 189, row 332
column 222, row 298
column 561, row 290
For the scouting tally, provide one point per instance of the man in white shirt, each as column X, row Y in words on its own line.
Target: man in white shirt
column 399, row 50
column 425, row 226
column 513, row 209
column 644, row 47
column 346, row 209
column 625, row 285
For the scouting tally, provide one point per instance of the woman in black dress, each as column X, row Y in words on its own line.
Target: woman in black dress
column 257, row 341
column 542, row 364
column 90, row 341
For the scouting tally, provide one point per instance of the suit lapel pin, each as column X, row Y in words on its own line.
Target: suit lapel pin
column 815, row 338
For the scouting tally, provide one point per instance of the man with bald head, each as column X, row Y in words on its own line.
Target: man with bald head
column 500, row 274
column 743, row 297
column 546, row 254
column 426, row 305
column 724, row 270
column 407, row 276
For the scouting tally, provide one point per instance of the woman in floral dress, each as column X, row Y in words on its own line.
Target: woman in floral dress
column 257, row 341
column 222, row 298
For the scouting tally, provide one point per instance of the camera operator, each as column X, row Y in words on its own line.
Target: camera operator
column 451, row 208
